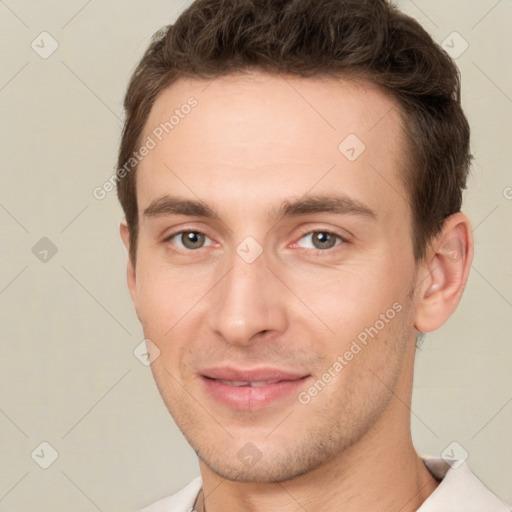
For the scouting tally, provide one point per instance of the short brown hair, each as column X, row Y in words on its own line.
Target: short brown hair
column 369, row 39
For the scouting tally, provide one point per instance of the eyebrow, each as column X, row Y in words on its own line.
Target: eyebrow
column 169, row 205
column 325, row 204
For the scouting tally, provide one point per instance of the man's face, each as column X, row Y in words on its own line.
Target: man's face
column 267, row 253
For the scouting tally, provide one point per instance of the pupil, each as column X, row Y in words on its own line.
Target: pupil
column 324, row 240
column 193, row 240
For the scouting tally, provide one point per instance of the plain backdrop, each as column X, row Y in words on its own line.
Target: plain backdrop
column 69, row 374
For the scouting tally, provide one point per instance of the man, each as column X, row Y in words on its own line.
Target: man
column 291, row 174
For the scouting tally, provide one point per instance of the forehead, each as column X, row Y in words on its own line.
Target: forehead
column 328, row 107
column 255, row 129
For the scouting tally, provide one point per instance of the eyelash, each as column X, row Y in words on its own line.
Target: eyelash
column 342, row 240
column 317, row 252
column 168, row 239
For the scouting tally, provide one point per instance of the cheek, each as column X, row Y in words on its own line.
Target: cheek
column 168, row 297
column 349, row 299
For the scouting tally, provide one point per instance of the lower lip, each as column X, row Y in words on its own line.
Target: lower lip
column 248, row 398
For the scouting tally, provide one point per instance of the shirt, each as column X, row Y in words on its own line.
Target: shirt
column 459, row 491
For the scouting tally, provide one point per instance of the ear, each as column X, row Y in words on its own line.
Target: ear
column 130, row 268
column 443, row 273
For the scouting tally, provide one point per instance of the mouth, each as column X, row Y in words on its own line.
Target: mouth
column 255, row 384
column 251, row 389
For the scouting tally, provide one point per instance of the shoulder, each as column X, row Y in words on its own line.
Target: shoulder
column 460, row 490
column 182, row 501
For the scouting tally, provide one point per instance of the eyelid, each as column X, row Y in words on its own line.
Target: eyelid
column 339, row 241
column 302, row 232
column 307, row 230
column 183, row 227
column 167, row 239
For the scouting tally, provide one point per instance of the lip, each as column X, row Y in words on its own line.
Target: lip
column 273, row 385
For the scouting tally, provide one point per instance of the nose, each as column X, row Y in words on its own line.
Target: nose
column 248, row 302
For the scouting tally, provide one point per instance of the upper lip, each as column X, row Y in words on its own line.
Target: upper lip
column 230, row 373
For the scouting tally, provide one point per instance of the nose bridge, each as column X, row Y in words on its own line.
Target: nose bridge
column 246, row 300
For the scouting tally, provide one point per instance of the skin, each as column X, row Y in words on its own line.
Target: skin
column 254, row 143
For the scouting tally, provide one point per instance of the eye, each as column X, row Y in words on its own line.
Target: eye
column 319, row 240
column 190, row 240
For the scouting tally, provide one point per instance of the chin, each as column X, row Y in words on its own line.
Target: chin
column 249, row 465
column 262, row 474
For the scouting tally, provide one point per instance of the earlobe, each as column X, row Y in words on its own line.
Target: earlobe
column 444, row 274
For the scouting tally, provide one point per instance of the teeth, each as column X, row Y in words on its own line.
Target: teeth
column 237, row 383
column 255, row 384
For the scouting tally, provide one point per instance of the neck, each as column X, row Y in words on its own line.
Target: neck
column 380, row 472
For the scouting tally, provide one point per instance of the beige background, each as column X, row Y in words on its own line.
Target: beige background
column 69, row 375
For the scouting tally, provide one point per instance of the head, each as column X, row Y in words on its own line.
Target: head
column 297, row 222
